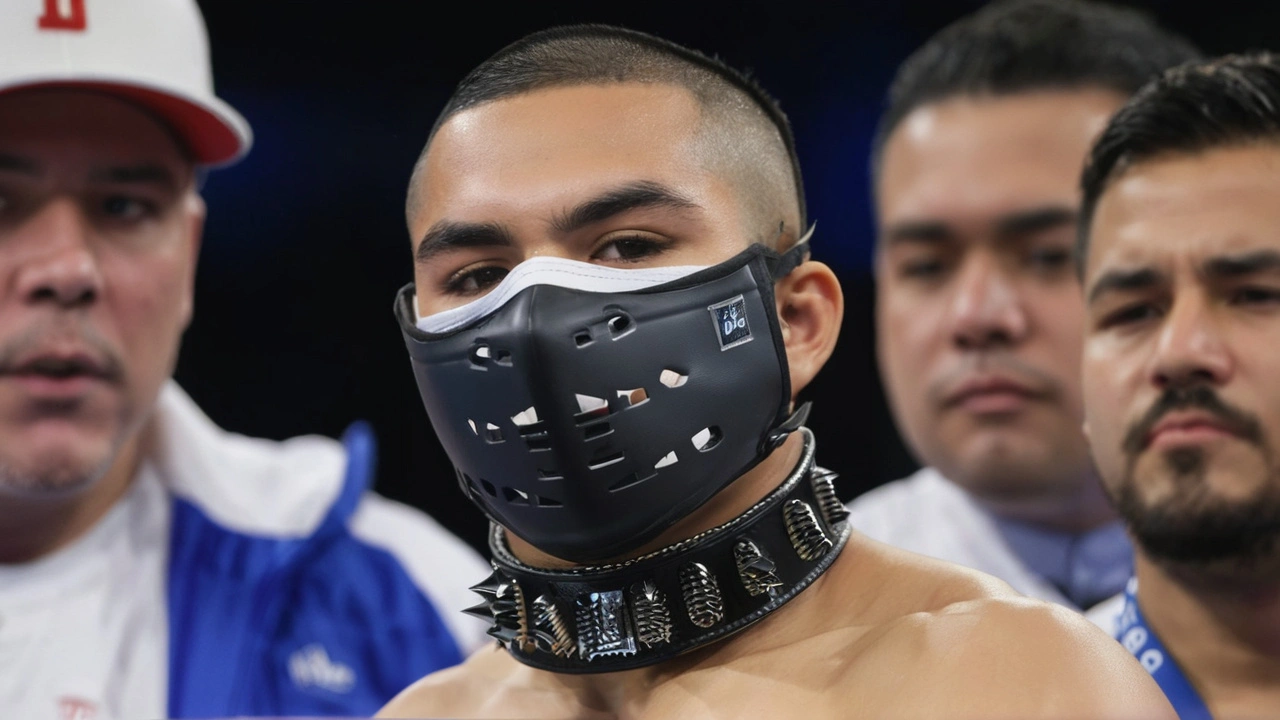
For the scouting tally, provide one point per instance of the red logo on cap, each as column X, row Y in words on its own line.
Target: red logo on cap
column 55, row 19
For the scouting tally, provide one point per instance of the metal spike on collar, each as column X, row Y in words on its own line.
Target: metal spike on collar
column 503, row 606
column 807, row 536
column 824, row 489
column 755, row 569
column 702, row 597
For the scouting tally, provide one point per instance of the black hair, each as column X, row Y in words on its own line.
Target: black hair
column 603, row 54
column 1016, row 46
column 1230, row 101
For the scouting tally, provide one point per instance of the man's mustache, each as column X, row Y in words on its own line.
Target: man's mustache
column 95, row 355
column 1201, row 397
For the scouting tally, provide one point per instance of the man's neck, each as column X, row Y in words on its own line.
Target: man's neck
column 1224, row 635
column 1084, row 508
column 33, row 527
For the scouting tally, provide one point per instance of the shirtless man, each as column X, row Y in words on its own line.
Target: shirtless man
column 1181, row 264
column 610, row 355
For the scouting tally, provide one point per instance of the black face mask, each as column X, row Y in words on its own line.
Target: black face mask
column 589, row 422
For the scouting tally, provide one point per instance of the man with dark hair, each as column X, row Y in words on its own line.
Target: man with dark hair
column 153, row 564
column 978, row 314
column 613, row 310
column 1180, row 257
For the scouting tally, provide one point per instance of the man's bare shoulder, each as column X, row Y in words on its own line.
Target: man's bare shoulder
column 488, row 684
column 940, row 640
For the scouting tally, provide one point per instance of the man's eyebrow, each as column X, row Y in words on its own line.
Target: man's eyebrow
column 446, row 235
column 15, row 163
column 633, row 196
column 1248, row 263
column 1035, row 220
column 920, row 231
column 146, row 174
column 1121, row 280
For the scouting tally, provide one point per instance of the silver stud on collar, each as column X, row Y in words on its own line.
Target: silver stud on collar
column 653, row 618
column 807, row 536
column 701, row 595
column 552, row 633
column 755, row 569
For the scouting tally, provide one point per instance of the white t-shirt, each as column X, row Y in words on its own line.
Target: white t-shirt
column 84, row 632
column 928, row 514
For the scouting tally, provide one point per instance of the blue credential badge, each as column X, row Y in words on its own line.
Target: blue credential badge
column 730, row 318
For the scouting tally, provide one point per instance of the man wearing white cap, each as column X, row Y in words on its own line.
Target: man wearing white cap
column 151, row 564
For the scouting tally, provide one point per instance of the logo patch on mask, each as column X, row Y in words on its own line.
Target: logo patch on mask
column 730, row 318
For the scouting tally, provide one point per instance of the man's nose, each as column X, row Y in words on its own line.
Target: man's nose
column 986, row 309
column 56, row 261
column 1190, row 349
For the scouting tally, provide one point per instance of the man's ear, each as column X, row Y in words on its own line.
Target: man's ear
column 810, row 308
column 194, row 214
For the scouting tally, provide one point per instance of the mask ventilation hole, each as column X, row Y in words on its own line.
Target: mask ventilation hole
column 607, row 460
column 582, row 338
column 707, row 438
column 515, row 497
column 668, row 459
column 492, row 434
column 590, row 407
column 480, row 355
column 596, row 431
column 621, row 325
column 548, row 475
column 547, row 502
column 472, row 423
column 469, row 486
column 633, row 397
column 528, row 416
column 673, row 379
column 627, row 481
column 488, row 487
column 503, row 358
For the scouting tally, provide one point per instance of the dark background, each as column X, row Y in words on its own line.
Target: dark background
column 306, row 245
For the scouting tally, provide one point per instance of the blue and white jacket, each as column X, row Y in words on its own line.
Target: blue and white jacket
column 291, row 589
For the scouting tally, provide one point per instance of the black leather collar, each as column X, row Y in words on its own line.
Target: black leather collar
column 606, row 618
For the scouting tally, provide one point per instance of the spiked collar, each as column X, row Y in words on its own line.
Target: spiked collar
column 606, row 618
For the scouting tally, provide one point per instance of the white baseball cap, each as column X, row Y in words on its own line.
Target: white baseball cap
column 154, row 53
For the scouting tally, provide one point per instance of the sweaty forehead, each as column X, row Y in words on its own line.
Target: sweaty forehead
column 973, row 158
column 548, row 145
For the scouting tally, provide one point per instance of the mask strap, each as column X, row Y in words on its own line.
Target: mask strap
column 791, row 259
column 788, row 426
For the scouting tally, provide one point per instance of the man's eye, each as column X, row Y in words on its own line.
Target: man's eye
column 629, row 249
column 121, row 207
column 1050, row 258
column 475, row 282
column 1131, row 315
column 922, row 269
column 1255, row 296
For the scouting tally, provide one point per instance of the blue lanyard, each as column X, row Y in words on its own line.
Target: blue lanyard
column 1137, row 638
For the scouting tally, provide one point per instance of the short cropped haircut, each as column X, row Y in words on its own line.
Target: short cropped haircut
column 604, row 55
column 1016, row 46
column 1227, row 102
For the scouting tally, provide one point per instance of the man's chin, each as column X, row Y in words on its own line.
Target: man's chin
column 52, row 465
column 1204, row 532
column 1010, row 466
